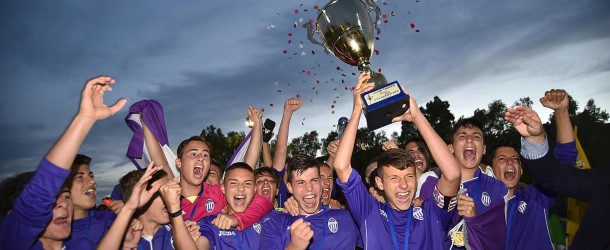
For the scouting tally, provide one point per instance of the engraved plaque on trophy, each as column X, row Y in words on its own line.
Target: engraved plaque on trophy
column 347, row 31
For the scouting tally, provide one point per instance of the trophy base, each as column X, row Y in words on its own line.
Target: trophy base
column 383, row 103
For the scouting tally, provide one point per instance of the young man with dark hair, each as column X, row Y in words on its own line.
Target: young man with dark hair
column 267, row 183
column 88, row 222
column 315, row 226
column 215, row 175
column 481, row 207
column 201, row 199
column 239, row 189
column 33, row 212
column 397, row 224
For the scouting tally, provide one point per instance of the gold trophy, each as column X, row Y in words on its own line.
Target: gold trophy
column 347, row 31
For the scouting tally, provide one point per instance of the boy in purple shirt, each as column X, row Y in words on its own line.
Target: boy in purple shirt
column 33, row 222
column 315, row 227
column 239, row 189
column 396, row 224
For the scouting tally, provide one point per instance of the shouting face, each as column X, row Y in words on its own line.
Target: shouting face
column 421, row 161
column 239, row 189
column 194, row 163
column 399, row 186
column 83, row 189
column 61, row 224
column 266, row 186
column 326, row 176
column 507, row 166
column 306, row 190
column 468, row 147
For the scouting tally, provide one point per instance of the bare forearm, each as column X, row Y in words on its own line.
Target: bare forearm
column 182, row 237
column 114, row 237
column 155, row 151
column 281, row 145
column 564, row 126
column 254, row 148
column 267, row 155
column 346, row 147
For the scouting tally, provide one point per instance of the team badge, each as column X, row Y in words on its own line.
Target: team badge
column 257, row 227
column 485, row 199
column 333, row 225
column 418, row 213
column 209, row 205
column 522, row 206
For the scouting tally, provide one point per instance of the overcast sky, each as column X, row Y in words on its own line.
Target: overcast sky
column 206, row 61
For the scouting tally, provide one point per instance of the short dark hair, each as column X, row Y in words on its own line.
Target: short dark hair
column 129, row 180
column 470, row 122
column 299, row 163
column 78, row 161
column 239, row 165
column 397, row 158
column 502, row 144
column 267, row 171
column 11, row 188
column 422, row 144
column 183, row 144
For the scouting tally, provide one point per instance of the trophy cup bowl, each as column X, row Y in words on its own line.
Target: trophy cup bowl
column 347, row 32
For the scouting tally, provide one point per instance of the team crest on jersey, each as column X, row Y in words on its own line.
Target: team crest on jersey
column 522, row 206
column 418, row 213
column 225, row 233
column 333, row 225
column 383, row 213
column 209, row 205
column 257, row 227
column 485, row 199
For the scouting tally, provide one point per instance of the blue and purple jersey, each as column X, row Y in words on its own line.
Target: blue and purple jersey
column 92, row 227
column 230, row 239
column 333, row 229
column 33, row 208
column 161, row 240
column 526, row 218
column 486, row 230
column 384, row 228
column 283, row 194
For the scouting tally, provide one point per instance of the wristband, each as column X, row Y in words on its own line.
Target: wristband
column 175, row 214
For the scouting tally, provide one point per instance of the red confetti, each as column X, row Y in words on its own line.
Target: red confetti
column 385, row 21
column 332, row 106
column 338, row 68
column 285, row 51
column 416, row 30
column 318, row 81
column 353, row 88
column 298, row 96
column 263, row 110
column 315, row 7
column 412, row 25
column 309, row 72
column 376, row 52
column 295, row 25
column 289, row 41
column 385, row 16
column 279, row 91
column 379, row 70
column 290, row 34
column 296, row 11
column 271, row 104
column 310, row 20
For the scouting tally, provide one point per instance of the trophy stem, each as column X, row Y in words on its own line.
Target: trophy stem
column 365, row 66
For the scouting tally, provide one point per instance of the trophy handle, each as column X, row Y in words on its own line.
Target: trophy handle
column 310, row 36
column 373, row 6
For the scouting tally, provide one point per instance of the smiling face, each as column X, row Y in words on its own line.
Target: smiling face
column 60, row 226
column 306, row 190
column 194, row 163
column 468, row 147
column 83, row 189
column 506, row 165
column 399, row 186
column 239, row 189
column 419, row 156
column 326, row 176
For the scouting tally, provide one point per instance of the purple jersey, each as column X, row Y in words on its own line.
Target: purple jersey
column 487, row 230
column 92, row 227
column 427, row 223
column 526, row 219
column 333, row 229
column 283, row 194
column 33, row 208
column 230, row 239
column 161, row 240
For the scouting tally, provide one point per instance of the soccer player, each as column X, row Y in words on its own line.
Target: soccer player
column 396, row 224
column 315, row 227
column 27, row 225
column 239, row 189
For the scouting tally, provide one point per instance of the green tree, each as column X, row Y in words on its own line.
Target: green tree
column 307, row 144
column 440, row 118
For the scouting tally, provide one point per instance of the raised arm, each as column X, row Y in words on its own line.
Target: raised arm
column 254, row 148
column 92, row 109
column 449, row 181
column 267, row 155
column 558, row 101
column 281, row 145
column 139, row 197
column 332, row 153
column 346, row 145
column 155, row 151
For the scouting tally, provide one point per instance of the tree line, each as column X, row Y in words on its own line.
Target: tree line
column 592, row 122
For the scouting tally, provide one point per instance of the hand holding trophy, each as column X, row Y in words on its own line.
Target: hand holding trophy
column 347, row 31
